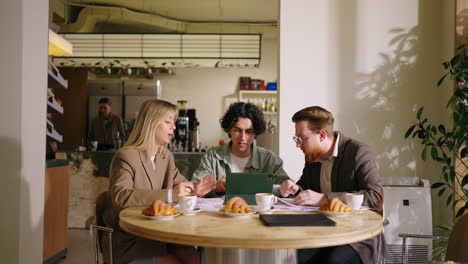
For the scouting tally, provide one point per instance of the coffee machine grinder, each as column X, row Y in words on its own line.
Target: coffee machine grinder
column 187, row 129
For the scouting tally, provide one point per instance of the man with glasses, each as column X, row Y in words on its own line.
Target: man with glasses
column 335, row 165
column 243, row 122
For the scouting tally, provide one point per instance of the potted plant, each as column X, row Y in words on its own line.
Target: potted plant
column 448, row 145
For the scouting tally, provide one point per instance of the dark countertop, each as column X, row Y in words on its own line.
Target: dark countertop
column 186, row 162
column 56, row 163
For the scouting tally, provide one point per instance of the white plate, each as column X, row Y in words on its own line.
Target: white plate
column 330, row 213
column 255, row 208
column 363, row 208
column 167, row 217
column 238, row 215
column 191, row 212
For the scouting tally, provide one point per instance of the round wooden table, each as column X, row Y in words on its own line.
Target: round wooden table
column 210, row 229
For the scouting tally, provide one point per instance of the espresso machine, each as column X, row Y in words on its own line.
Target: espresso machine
column 187, row 132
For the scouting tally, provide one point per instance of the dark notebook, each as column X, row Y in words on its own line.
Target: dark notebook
column 296, row 220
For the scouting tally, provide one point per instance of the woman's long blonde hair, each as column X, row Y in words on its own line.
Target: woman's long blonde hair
column 151, row 114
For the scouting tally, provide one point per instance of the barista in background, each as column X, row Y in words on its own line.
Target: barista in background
column 105, row 126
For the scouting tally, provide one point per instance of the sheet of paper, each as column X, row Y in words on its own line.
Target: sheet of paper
column 287, row 205
column 210, row 204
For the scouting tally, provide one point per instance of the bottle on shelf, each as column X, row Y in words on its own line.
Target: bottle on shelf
column 117, row 142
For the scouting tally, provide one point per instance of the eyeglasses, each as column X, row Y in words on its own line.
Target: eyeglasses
column 300, row 140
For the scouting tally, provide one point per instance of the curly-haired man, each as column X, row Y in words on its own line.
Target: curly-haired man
column 243, row 122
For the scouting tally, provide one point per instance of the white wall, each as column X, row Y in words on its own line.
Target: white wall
column 371, row 63
column 23, row 78
column 211, row 90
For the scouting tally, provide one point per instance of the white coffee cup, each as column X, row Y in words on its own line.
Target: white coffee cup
column 265, row 201
column 187, row 202
column 94, row 145
column 354, row 200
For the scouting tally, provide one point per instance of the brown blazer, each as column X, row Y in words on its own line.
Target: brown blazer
column 354, row 170
column 134, row 182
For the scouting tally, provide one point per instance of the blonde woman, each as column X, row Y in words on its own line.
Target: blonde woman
column 141, row 172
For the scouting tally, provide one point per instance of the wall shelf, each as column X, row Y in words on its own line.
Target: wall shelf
column 52, row 102
column 52, row 133
column 264, row 99
column 257, row 92
column 55, row 74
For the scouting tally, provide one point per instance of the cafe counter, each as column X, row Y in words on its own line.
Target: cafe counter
column 89, row 176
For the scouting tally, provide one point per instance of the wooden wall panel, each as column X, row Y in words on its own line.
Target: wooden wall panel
column 55, row 211
column 73, row 123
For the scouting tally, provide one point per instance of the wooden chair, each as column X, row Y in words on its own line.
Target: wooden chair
column 457, row 242
column 97, row 228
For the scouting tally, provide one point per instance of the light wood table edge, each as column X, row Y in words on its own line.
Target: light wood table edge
column 251, row 242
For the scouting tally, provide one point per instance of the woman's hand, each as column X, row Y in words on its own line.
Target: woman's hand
column 182, row 188
column 221, row 185
column 205, row 185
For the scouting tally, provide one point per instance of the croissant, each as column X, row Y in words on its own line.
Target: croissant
column 159, row 208
column 237, row 205
column 335, row 205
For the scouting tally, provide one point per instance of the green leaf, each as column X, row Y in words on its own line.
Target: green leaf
column 460, row 212
column 434, row 130
column 452, row 174
column 451, row 101
column 423, row 154
column 418, row 115
column 409, row 131
column 464, row 152
column 421, row 134
column 449, row 199
column 442, row 79
column 441, row 192
column 441, row 129
column 437, row 185
column 455, row 60
column 444, row 228
column 434, row 153
column 464, row 181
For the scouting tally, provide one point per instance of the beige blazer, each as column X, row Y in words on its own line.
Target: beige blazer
column 134, row 182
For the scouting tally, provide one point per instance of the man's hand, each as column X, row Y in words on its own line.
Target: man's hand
column 221, row 185
column 311, row 198
column 288, row 187
column 182, row 188
column 205, row 185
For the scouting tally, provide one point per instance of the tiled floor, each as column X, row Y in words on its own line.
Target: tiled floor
column 80, row 247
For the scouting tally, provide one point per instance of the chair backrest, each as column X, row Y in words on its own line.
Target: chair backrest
column 100, row 206
column 458, row 242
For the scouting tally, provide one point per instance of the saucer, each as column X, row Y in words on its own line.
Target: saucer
column 191, row 212
column 255, row 207
column 363, row 208
column 238, row 215
column 165, row 217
